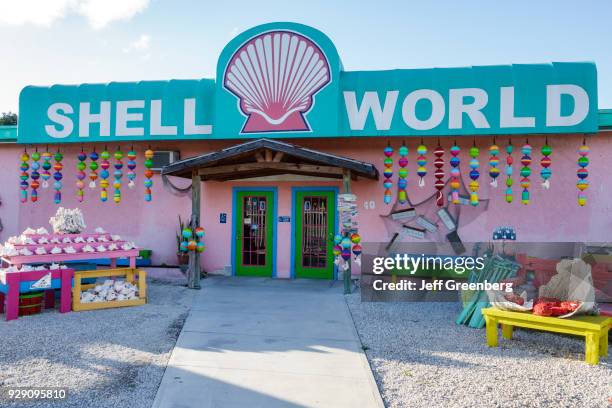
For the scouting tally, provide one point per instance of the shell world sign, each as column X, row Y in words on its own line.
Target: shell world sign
column 286, row 80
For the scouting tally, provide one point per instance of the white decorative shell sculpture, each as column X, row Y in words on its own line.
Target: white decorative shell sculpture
column 275, row 76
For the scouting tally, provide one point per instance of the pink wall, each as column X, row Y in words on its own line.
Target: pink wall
column 553, row 215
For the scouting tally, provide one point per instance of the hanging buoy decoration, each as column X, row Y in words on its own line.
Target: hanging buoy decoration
column 455, row 182
column 357, row 253
column 388, row 173
column 509, row 181
column 474, row 174
column 493, row 163
column 57, row 176
column 355, row 238
column 402, row 182
column 337, row 250
column 131, row 165
column 81, row 166
column 148, row 183
column 23, row 184
column 421, row 162
column 583, row 173
column 199, row 232
column 545, row 162
column 93, row 166
column 525, row 172
column 35, row 175
column 104, row 174
column 118, row 174
column 439, row 174
column 46, row 166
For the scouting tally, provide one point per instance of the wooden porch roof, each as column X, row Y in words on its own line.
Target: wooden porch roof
column 266, row 157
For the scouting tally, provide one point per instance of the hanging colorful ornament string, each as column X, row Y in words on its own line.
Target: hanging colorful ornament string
column 193, row 240
column 402, row 182
column 118, row 174
column 93, row 166
column 439, row 174
column 509, row 181
column 455, row 173
column 148, row 173
column 545, row 162
column 35, row 175
column 57, row 176
column 388, row 173
column 23, row 184
column 81, row 166
column 525, row 172
column 104, row 174
column 474, row 174
column 421, row 162
column 131, row 165
column 493, row 163
column 583, row 173
column 46, row 166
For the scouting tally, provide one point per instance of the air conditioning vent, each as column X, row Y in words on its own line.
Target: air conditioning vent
column 163, row 158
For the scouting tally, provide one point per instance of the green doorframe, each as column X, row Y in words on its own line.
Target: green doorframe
column 294, row 191
column 236, row 216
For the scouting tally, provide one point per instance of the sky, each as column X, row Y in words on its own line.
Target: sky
column 90, row 41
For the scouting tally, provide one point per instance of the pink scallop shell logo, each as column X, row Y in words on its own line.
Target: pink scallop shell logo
column 275, row 76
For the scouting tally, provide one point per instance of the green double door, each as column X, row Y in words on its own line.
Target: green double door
column 314, row 227
column 315, row 220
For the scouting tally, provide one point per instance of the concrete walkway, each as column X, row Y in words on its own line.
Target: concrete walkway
column 266, row 343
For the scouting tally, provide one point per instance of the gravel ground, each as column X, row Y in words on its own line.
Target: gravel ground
column 421, row 358
column 106, row 358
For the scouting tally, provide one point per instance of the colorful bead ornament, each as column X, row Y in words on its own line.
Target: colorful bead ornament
column 545, row 162
column 104, row 174
column 46, row 166
column 131, row 165
column 148, row 183
column 118, row 174
column 81, row 166
column 583, row 173
column 439, row 174
column 93, row 166
column 23, row 184
column 493, row 163
column 402, row 182
column 57, row 176
column 474, row 174
column 35, row 175
column 509, row 181
column 525, row 172
column 455, row 182
column 421, row 162
column 388, row 173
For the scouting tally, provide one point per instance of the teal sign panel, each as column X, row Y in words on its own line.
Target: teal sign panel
column 287, row 80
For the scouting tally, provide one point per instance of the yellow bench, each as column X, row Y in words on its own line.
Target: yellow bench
column 593, row 328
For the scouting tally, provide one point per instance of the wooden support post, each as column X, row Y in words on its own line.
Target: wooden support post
column 193, row 272
column 346, row 184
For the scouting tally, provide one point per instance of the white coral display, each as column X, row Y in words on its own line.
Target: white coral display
column 68, row 221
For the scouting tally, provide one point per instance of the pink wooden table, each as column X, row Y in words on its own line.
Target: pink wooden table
column 14, row 281
column 19, row 260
